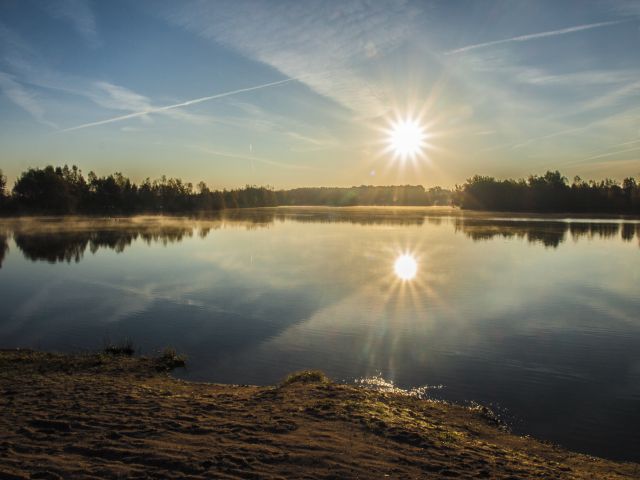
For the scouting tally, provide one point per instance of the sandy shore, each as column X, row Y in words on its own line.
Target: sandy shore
column 102, row 416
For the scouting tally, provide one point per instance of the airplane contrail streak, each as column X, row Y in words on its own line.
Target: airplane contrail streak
column 534, row 36
column 178, row 105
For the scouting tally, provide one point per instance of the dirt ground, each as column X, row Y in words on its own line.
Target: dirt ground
column 103, row 416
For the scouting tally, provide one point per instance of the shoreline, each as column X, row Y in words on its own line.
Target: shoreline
column 434, row 210
column 107, row 416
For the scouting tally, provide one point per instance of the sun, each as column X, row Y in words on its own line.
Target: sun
column 405, row 267
column 407, row 138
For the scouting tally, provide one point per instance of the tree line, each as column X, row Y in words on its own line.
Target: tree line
column 550, row 192
column 65, row 190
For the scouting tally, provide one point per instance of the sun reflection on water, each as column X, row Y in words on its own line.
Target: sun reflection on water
column 380, row 384
column 405, row 267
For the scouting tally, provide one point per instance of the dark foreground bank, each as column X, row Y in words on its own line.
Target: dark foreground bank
column 105, row 416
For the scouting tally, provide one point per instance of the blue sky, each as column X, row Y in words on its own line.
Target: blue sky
column 289, row 93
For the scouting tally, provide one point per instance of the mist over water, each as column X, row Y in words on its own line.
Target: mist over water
column 535, row 315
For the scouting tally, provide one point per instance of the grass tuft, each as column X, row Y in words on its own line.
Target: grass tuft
column 306, row 376
column 169, row 359
column 124, row 349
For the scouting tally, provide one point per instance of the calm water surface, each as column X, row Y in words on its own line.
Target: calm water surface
column 538, row 317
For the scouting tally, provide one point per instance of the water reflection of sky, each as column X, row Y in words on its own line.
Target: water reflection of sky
column 539, row 317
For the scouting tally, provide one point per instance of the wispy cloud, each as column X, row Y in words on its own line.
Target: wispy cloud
column 79, row 14
column 596, row 125
column 587, row 78
column 26, row 100
column 552, row 105
column 147, row 110
column 332, row 39
column 294, row 128
column 615, row 96
column 534, row 36
column 28, row 70
column 611, row 154
column 251, row 158
column 116, row 97
column 305, row 138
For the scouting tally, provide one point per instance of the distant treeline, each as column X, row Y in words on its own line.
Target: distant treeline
column 550, row 192
column 65, row 190
column 365, row 195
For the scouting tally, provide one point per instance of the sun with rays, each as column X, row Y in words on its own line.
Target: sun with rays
column 407, row 141
column 407, row 138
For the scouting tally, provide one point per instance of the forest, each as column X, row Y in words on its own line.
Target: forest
column 65, row 190
column 550, row 192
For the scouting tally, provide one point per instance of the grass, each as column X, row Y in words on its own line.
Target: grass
column 170, row 359
column 306, row 376
column 124, row 349
column 160, row 426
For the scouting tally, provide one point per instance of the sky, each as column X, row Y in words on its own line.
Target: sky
column 290, row 93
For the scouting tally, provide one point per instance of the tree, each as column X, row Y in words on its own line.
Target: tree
column 3, row 183
column 3, row 195
column 549, row 193
column 63, row 190
column 50, row 190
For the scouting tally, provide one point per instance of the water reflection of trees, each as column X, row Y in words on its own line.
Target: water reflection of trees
column 4, row 247
column 68, row 241
column 70, row 246
column 548, row 233
column 629, row 231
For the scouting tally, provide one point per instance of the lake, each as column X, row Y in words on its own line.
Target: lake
column 537, row 317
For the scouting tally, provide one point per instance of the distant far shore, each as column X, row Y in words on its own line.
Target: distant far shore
column 111, row 414
column 65, row 190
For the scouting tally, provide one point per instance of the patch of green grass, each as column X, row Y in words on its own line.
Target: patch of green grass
column 306, row 376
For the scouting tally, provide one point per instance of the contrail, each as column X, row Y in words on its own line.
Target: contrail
column 178, row 105
column 601, row 155
column 609, row 154
column 534, row 36
column 251, row 158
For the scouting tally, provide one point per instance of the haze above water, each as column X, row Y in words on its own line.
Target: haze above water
column 536, row 316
